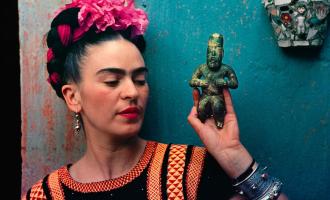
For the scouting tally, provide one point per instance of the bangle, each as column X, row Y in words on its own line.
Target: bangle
column 246, row 173
column 259, row 186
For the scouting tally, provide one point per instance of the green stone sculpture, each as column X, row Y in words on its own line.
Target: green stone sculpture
column 212, row 77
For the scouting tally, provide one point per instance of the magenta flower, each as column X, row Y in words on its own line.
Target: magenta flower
column 50, row 55
column 117, row 14
column 54, row 78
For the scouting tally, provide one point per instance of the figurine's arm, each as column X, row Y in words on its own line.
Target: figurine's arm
column 232, row 81
column 221, row 82
column 195, row 80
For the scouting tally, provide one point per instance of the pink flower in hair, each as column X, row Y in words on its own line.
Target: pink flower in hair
column 50, row 55
column 139, row 22
column 54, row 78
column 117, row 14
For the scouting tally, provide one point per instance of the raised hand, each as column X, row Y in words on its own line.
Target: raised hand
column 224, row 144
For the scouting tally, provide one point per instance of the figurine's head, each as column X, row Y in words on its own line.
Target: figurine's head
column 298, row 22
column 301, row 8
column 215, row 51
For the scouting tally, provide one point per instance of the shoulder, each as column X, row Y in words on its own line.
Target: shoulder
column 40, row 190
column 227, row 67
column 36, row 192
column 201, row 67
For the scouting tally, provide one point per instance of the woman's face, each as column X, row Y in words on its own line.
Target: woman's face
column 113, row 88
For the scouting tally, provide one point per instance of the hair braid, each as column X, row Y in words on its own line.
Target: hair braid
column 59, row 40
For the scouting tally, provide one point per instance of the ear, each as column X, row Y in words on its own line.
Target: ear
column 72, row 97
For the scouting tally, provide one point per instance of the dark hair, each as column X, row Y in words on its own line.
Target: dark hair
column 65, row 58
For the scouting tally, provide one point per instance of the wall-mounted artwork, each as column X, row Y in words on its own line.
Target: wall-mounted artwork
column 298, row 22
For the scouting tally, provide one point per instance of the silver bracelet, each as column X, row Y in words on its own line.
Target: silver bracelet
column 259, row 185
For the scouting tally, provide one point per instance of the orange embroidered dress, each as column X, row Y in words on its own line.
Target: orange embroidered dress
column 165, row 171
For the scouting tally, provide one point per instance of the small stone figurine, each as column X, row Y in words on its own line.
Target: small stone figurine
column 212, row 77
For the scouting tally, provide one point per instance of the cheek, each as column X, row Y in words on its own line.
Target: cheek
column 96, row 97
column 144, row 94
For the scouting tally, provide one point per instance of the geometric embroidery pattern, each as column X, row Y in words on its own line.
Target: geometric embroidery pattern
column 54, row 186
column 194, row 171
column 154, row 191
column 37, row 193
column 175, row 169
column 107, row 185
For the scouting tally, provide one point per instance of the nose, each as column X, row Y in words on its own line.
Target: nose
column 129, row 90
column 214, row 53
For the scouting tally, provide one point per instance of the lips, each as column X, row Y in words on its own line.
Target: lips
column 130, row 112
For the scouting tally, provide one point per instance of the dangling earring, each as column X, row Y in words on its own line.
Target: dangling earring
column 76, row 123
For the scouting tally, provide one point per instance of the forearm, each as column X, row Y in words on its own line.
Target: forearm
column 233, row 84
column 196, row 82
column 232, row 79
column 234, row 161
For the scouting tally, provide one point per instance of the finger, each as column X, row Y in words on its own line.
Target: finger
column 193, row 119
column 193, row 111
column 228, row 101
column 196, row 96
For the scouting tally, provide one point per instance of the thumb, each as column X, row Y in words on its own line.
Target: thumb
column 193, row 119
column 196, row 96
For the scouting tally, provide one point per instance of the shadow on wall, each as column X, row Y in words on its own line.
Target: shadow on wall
column 304, row 53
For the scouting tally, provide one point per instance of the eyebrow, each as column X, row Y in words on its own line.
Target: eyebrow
column 140, row 70
column 122, row 72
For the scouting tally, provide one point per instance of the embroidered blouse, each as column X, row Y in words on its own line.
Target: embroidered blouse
column 164, row 171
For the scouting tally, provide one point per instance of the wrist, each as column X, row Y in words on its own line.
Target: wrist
column 258, row 185
column 246, row 174
column 234, row 161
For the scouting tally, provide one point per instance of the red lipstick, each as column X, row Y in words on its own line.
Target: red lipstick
column 130, row 112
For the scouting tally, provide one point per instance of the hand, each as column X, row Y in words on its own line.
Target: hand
column 204, row 84
column 216, row 140
column 224, row 144
column 221, row 83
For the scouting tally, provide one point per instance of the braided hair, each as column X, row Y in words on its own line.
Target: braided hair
column 65, row 51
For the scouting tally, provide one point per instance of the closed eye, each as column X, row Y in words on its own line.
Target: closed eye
column 140, row 82
column 112, row 83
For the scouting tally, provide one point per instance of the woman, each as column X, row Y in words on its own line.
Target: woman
column 95, row 64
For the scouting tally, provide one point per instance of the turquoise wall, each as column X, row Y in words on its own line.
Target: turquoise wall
column 282, row 101
column 283, row 98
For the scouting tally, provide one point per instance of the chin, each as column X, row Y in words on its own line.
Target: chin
column 128, row 130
